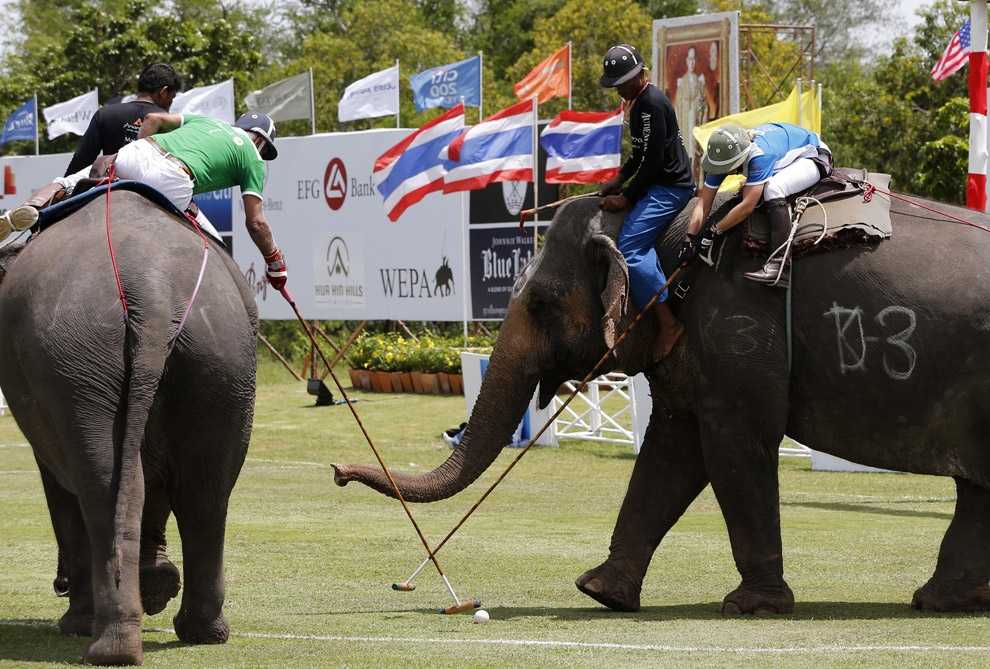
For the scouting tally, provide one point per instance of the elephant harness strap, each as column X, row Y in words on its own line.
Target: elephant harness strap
column 111, row 176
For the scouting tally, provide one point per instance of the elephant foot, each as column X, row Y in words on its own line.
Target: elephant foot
column 952, row 596
column 607, row 585
column 160, row 582
column 118, row 645
column 200, row 631
column 76, row 623
column 760, row 603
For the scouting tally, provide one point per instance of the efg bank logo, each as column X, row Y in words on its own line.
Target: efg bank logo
column 335, row 184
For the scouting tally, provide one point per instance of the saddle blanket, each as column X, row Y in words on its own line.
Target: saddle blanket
column 55, row 213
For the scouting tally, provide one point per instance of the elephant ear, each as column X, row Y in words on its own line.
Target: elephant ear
column 615, row 297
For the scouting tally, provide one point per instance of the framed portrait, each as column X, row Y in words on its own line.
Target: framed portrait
column 696, row 63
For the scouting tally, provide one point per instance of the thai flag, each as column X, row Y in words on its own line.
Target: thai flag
column 412, row 169
column 583, row 147
column 500, row 148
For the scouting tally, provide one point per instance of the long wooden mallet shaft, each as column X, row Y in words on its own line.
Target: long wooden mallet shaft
column 588, row 377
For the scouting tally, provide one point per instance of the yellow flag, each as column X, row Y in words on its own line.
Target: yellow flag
column 806, row 115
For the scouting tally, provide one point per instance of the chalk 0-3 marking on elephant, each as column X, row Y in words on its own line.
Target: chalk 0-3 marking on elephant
column 742, row 342
column 853, row 343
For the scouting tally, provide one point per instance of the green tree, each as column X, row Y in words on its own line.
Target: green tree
column 840, row 24
column 378, row 32
column 592, row 27
column 661, row 9
column 108, row 49
column 892, row 117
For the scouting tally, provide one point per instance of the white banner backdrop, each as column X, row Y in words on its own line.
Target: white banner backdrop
column 345, row 259
column 22, row 175
column 216, row 101
column 72, row 115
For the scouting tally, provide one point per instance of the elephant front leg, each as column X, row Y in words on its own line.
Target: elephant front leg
column 742, row 466
column 668, row 475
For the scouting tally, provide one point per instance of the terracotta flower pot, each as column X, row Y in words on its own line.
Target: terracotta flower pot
column 407, row 382
column 365, row 379
column 381, row 382
column 430, row 384
column 456, row 384
column 444, row 380
column 360, row 379
column 353, row 373
column 416, row 383
column 396, row 378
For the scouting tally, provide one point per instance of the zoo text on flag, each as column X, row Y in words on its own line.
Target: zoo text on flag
column 446, row 85
column 216, row 101
column 583, row 147
column 374, row 95
column 500, row 148
column 549, row 79
column 411, row 169
column 72, row 115
column 21, row 124
column 956, row 54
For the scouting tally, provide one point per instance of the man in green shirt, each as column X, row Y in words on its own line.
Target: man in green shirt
column 181, row 155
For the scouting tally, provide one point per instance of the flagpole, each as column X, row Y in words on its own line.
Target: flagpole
column 36, row 144
column 799, row 110
column 398, row 93
column 570, row 74
column 536, row 172
column 481, row 86
column 465, row 277
column 312, row 104
column 976, row 182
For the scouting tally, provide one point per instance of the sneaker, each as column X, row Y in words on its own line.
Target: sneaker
column 5, row 227
column 452, row 437
column 23, row 217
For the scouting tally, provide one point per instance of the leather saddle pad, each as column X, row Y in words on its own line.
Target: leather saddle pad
column 849, row 216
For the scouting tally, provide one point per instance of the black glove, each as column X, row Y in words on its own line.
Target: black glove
column 708, row 244
column 688, row 249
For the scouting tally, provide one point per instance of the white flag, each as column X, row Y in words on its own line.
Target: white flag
column 284, row 100
column 72, row 115
column 375, row 95
column 216, row 101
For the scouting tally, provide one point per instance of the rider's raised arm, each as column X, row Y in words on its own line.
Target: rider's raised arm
column 156, row 122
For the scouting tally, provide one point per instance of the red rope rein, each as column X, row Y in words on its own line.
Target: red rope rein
column 111, row 175
column 870, row 189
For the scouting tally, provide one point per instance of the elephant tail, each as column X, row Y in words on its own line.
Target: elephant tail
column 145, row 364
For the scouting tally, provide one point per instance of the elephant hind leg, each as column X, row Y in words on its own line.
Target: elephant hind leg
column 961, row 581
column 160, row 581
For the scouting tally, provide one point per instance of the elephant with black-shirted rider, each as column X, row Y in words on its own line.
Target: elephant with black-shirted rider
column 890, row 369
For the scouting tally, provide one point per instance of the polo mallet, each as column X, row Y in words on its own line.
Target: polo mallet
column 458, row 606
column 408, row 585
column 526, row 213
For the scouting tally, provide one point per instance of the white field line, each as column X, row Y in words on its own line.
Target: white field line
column 288, row 463
column 577, row 645
column 15, row 445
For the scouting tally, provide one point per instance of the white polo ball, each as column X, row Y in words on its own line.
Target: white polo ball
column 481, row 616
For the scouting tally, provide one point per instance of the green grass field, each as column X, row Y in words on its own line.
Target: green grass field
column 309, row 565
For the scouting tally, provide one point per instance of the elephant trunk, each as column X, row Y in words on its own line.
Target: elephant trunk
column 505, row 393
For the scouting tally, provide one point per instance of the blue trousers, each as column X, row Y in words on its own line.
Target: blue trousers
column 647, row 220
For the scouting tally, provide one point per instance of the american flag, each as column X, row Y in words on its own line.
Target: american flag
column 956, row 54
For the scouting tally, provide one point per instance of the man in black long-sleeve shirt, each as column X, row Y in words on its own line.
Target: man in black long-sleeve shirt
column 655, row 182
column 115, row 125
column 111, row 127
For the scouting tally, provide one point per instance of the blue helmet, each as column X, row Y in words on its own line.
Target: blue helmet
column 264, row 126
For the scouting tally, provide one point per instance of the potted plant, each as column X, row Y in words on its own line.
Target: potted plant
column 358, row 357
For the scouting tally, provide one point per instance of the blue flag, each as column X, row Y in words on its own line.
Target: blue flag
column 444, row 86
column 21, row 124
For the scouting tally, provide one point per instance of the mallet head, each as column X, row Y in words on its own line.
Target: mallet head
column 466, row 605
column 405, row 586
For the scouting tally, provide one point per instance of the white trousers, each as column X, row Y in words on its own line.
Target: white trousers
column 141, row 161
column 796, row 177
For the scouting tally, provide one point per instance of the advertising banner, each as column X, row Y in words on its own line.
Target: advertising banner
column 498, row 256
column 23, row 175
column 448, row 85
column 72, row 115
column 345, row 259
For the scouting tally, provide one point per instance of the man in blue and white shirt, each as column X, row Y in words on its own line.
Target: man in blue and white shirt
column 778, row 160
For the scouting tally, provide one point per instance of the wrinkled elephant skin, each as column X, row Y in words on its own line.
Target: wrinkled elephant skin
column 889, row 369
column 124, row 430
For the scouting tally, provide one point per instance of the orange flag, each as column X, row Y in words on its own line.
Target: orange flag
column 549, row 79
